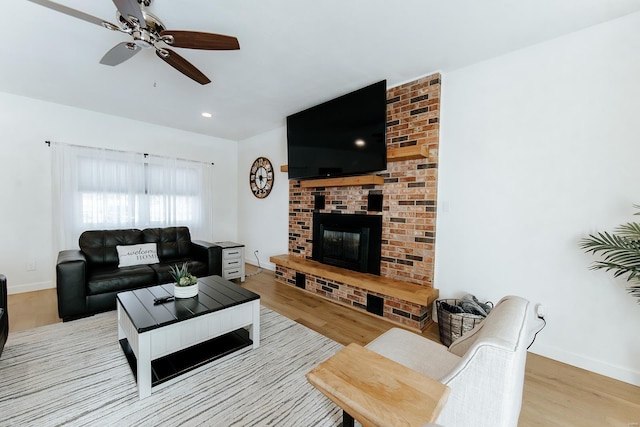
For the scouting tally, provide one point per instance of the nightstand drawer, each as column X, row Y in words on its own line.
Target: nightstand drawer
column 234, row 253
column 232, row 263
column 232, row 273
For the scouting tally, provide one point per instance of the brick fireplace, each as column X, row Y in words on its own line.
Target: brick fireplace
column 409, row 196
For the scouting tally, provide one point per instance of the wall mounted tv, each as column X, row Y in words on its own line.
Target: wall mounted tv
column 341, row 137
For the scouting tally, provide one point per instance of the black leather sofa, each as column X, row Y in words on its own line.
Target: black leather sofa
column 88, row 279
column 4, row 314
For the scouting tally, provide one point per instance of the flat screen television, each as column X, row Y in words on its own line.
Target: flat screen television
column 341, row 137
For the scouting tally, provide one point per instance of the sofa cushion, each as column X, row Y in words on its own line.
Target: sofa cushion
column 144, row 253
column 163, row 270
column 99, row 246
column 172, row 242
column 113, row 279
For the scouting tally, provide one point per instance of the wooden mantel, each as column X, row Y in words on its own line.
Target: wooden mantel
column 412, row 152
column 405, row 291
column 343, row 181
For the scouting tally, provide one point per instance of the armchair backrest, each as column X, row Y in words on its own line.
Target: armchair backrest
column 486, row 385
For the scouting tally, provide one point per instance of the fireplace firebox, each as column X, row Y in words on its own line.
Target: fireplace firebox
column 350, row 241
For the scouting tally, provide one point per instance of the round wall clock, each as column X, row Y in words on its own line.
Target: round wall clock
column 261, row 177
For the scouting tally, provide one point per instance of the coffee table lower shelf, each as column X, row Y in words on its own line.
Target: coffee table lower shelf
column 173, row 365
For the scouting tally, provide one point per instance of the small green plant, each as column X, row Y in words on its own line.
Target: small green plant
column 182, row 276
column 620, row 251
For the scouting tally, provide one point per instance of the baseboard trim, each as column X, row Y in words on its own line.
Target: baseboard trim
column 617, row 372
column 29, row 287
column 265, row 266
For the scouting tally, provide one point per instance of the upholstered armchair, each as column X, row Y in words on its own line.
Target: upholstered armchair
column 484, row 368
column 4, row 315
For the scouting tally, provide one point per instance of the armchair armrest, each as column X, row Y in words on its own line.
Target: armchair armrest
column 71, row 283
column 209, row 253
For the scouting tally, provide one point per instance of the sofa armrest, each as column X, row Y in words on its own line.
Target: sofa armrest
column 209, row 253
column 4, row 315
column 3, row 292
column 71, row 287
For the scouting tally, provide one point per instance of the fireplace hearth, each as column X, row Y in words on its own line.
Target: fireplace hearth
column 350, row 241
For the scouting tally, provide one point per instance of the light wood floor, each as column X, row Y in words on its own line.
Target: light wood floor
column 555, row 394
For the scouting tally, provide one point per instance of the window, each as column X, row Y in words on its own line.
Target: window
column 106, row 189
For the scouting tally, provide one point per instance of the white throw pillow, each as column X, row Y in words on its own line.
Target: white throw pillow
column 145, row 253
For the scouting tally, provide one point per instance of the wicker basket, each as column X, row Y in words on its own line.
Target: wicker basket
column 453, row 325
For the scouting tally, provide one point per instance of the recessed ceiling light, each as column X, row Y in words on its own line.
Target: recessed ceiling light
column 207, row 115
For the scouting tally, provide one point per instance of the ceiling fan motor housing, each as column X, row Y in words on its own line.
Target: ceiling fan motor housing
column 153, row 22
column 142, row 38
column 149, row 36
column 146, row 30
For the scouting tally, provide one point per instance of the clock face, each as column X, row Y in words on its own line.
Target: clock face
column 261, row 177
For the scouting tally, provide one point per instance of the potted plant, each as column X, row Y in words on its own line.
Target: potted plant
column 186, row 284
column 620, row 251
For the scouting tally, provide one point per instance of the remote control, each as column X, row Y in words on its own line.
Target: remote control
column 162, row 300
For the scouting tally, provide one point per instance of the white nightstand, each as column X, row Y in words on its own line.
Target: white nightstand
column 232, row 260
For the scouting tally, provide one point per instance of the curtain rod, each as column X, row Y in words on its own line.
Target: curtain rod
column 122, row 151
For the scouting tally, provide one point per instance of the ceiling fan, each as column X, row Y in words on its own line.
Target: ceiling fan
column 148, row 31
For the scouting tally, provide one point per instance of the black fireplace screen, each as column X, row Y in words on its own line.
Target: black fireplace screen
column 345, row 248
column 348, row 241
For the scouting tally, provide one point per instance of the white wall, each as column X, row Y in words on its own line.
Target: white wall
column 539, row 148
column 25, row 176
column 264, row 223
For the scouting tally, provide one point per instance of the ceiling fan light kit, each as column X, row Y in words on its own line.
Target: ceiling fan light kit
column 147, row 31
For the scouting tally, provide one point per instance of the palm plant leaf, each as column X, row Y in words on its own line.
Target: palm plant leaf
column 630, row 230
column 612, row 246
column 620, row 252
column 620, row 270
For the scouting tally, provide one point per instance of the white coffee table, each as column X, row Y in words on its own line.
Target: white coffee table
column 186, row 334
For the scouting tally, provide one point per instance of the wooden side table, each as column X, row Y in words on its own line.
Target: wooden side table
column 377, row 391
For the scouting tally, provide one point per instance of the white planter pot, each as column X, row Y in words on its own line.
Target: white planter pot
column 185, row 291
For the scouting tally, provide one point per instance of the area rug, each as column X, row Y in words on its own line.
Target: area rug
column 76, row 374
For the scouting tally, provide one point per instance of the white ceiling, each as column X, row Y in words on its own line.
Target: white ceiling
column 293, row 53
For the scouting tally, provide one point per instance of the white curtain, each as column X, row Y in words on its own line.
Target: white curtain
column 179, row 192
column 98, row 189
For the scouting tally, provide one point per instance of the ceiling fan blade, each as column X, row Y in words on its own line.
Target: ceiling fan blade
column 198, row 40
column 120, row 53
column 130, row 10
column 182, row 65
column 76, row 14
